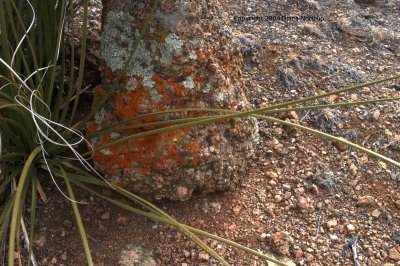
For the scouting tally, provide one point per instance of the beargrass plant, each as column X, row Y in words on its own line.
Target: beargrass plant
column 40, row 138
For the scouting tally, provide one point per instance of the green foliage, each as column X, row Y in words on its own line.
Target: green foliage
column 37, row 109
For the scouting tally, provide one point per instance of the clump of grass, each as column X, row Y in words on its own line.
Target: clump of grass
column 37, row 111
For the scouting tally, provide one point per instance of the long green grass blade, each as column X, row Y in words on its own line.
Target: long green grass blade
column 9, row 178
column 331, row 137
column 18, row 31
column 7, row 208
column 78, row 219
column 4, row 27
column 116, row 128
column 17, row 204
column 70, row 91
column 60, row 36
column 240, row 114
column 60, row 87
column 351, row 88
column 82, row 60
column 33, row 214
column 20, row 209
column 5, row 216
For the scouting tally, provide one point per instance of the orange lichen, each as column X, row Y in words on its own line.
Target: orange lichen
column 151, row 152
column 157, row 79
column 128, row 104
column 193, row 148
column 124, row 80
column 139, row 78
column 110, row 74
column 159, row 83
column 154, row 151
column 196, row 159
column 172, row 78
column 121, row 183
column 179, row 89
column 222, row 122
column 100, row 91
column 91, row 127
column 190, row 147
column 144, row 171
column 172, row 155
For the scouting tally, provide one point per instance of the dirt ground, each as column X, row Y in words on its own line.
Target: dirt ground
column 304, row 197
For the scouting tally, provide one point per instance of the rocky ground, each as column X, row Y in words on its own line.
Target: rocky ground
column 304, row 198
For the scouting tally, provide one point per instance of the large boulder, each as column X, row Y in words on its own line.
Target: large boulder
column 188, row 58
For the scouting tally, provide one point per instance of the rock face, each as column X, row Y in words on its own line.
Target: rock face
column 189, row 58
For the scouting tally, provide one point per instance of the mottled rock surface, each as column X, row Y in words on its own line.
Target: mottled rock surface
column 189, row 58
column 135, row 256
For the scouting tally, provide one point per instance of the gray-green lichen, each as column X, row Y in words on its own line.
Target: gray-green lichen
column 114, row 36
column 155, row 96
column 188, row 83
column 172, row 46
column 117, row 40
column 169, row 21
column 106, row 152
column 116, row 45
column 99, row 116
column 207, row 88
column 193, row 55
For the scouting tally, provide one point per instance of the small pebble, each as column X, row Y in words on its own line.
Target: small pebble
column 350, row 227
column 203, row 256
column 105, row 216
column 376, row 213
column 332, row 223
column 122, row 220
